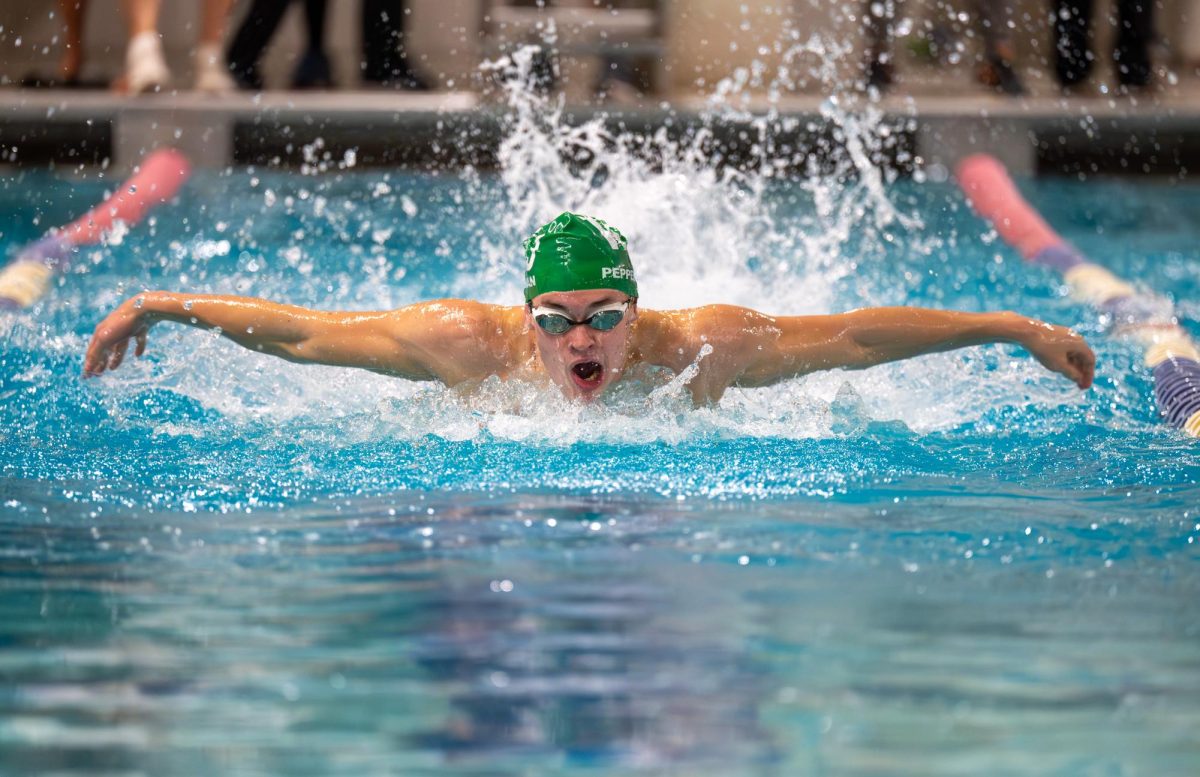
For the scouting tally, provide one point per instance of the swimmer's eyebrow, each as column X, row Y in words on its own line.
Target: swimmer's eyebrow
column 595, row 305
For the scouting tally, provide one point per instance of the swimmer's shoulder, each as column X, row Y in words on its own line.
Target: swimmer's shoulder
column 463, row 314
column 465, row 337
column 665, row 337
column 724, row 335
column 693, row 326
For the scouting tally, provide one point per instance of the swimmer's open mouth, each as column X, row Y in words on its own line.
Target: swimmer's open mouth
column 588, row 374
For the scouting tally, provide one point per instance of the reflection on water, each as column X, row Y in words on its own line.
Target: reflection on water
column 536, row 635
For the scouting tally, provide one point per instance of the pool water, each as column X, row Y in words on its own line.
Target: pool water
column 215, row 562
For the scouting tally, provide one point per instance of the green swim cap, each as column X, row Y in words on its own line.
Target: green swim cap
column 576, row 253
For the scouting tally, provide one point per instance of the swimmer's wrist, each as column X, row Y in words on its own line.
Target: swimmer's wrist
column 152, row 306
column 1018, row 329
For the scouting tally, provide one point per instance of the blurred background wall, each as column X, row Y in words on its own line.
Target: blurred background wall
column 698, row 41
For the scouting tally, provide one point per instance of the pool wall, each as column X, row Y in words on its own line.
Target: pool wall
column 1034, row 136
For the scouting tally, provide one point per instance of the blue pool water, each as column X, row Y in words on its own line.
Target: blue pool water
column 212, row 562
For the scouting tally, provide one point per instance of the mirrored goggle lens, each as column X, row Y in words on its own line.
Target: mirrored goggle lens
column 605, row 319
column 554, row 324
column 601, row 320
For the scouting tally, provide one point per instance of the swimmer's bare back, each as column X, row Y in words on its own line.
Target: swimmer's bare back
column 457, row 341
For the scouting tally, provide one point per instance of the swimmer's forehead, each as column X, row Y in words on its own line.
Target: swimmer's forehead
column 574, row 300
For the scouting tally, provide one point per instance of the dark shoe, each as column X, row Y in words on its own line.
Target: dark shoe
column 999, row 75
column 1133, row 75
column 246, row 76
column 248, row 79
column 880, row 76
column 313, row 72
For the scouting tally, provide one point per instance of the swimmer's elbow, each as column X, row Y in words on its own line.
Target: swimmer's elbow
column 301, row 351
column 860, row 357
column 293, row 352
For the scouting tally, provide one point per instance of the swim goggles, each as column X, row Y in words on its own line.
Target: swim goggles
column 602, row 320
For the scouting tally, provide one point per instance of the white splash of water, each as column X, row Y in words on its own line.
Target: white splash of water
column 699, row 233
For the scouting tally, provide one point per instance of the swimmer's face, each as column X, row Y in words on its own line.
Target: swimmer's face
column 583, row 361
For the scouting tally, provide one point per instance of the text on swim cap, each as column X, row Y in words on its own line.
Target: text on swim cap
column 617, row 273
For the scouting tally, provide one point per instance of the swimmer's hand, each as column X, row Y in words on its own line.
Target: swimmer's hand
column 110, row 341
column 1061, row 350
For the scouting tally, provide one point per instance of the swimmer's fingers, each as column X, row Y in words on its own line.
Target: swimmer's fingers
column 118, row 354
column 140, row 337
column 1066, row 353
column 1076, row 363
column 111, row 339
column 96, row 359
column 1084, row 362
column 102, row 349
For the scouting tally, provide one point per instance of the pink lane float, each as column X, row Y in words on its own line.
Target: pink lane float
column 1170, row 353
column 26, row 279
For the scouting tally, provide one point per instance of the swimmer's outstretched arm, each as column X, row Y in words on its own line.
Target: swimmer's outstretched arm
column 427, row 341
column 775, row 348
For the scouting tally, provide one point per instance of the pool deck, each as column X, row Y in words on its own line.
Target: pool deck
column 1155, row 133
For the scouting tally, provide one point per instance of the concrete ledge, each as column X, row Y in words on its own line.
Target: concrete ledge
column 1034, row 135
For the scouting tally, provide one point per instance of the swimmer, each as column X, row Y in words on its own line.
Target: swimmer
column 582, row 330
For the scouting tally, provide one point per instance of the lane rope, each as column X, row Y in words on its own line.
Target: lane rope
column 1170, row 353
column 28, row 276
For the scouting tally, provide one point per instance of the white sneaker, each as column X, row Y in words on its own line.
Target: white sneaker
column 212, row 75
column 145, row 69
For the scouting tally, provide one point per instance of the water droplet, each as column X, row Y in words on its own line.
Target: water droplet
column 188, row 305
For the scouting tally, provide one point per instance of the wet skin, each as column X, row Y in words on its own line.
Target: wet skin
column 458, row 342
column 583, row 361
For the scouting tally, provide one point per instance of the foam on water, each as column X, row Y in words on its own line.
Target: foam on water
column 699, row 232
column 841, row 235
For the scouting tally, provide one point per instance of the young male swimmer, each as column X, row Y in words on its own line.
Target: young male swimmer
column 581, row 329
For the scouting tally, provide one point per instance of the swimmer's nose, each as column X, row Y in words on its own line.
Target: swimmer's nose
column 580, row 338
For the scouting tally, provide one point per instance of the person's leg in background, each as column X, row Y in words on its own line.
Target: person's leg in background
column 212, row 74
column 70, row 64
column 145, row 67
column 385, row 60
column 1072, row 40
column 1135, row 30
column 251, row 39
column 996, row 69
column 314, row 72
column 72, row 59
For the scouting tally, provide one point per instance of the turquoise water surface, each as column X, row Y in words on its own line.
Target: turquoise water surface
column 212, row 562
